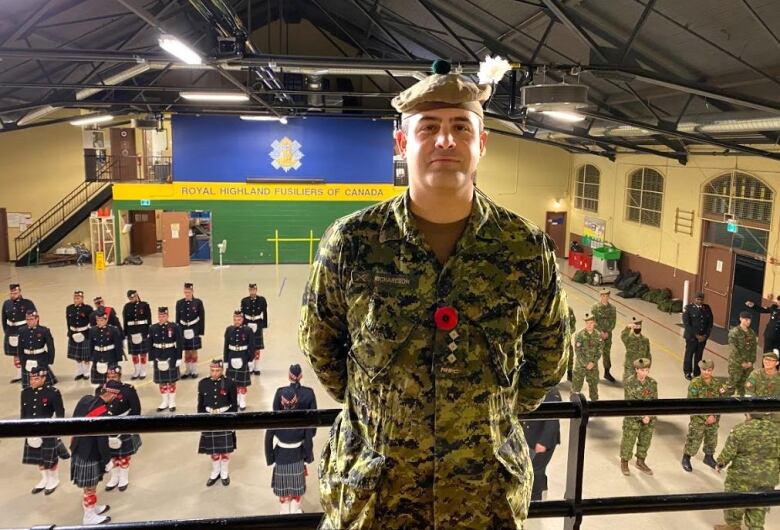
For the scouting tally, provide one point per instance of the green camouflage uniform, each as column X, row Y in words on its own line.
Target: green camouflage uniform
column 637, row 347
column 588, row 349
column 429, row 434
column 743, row 349
column 572, row 327
column 698, row 430
column 634, row 431
column 759, row 384
column 753, row 450
column 606, row 318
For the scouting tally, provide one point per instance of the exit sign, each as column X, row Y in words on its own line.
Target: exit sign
column 147, row 202
column 731, row 226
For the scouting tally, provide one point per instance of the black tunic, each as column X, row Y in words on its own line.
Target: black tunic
column 37, row 403
column 255, row 312
column 191, row 315
column 14, row 313
column 137, row 318
column 105, row 347
column 237, row 353
column 113, row 320
column 77, row 320
column 126, row 403
column 217, row 396
column 697, row 321
column 36, row 348
column 91, row 448
column 166, row 346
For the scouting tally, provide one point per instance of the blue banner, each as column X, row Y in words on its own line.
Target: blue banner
column 229, row 149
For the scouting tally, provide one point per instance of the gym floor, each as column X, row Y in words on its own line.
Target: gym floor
column 167, row 476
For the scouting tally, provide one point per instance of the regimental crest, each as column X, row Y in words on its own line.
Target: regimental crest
column 286, row 154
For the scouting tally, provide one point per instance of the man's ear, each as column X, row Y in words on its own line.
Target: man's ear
column 483, row 142
column 400, row 142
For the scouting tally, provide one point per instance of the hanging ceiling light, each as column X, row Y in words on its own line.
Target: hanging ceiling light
column 177, row 48
column 258, row 117
column 564, row 115
column 92, row 120
column 558, row 101
column 215, row 96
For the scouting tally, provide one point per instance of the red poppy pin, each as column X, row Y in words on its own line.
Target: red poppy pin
column 39, row 335
column 222, row 392
column 45, row 401
column 446, row 318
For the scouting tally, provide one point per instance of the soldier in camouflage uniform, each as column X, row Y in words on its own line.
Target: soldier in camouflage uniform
column 638, row 430
column 701, row 427
column 752, row 454
column 606, row 318
column 572, row 326
column 637, row 346
column 436, row 318
column 742, row 346
column 765, row 382
column 587, row 346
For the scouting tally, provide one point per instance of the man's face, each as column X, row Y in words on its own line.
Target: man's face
column 706, row 374
column 99, row 302
column 744, row 322
column 253, row 292
column 698, row 301
column 216, row 372
column 641, row 373
column 32, row 320
column 238, row 320
column 590, row 325
column 162, row 318
column 78, row 299
column 133, row 298
column 15, row 294
column 113, row 376
column 604, row 298
column 36, row 381
column 108, row 397
column 769, row 363
column 442, row 148
column 188, row 294
column 101, row 321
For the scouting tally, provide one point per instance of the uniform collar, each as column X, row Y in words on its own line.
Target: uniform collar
column 399, row 222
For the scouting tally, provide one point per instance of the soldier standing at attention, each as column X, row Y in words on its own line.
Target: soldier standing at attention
column 237, row 353
column 105, row 346
column 572, row 326
column 638, row 430
column 255, row 311
column 13, row 313
column 36, row 348
column 77, row 318
column 606, row 318
column 772, row 329
column 637, row 346
column 588, row 348
column 697, row 320
column 436, row 318
column 742, row 354
column 113, row 320
column 703, row 427
column 165, row 353
column 123, row 446
column 137, row 318
column 217, row 394
column 752, row 455
column 191, row 318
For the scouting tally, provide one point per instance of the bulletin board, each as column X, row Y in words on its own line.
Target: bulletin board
column 594, row 232
column 20, row 220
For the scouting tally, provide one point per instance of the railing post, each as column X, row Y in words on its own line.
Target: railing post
column 578, row 428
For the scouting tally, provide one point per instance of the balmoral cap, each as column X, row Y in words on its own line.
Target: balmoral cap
column 706, row 364
column 642, row 363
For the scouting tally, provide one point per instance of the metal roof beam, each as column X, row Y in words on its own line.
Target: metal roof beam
column 635, row 31
column 559, row 12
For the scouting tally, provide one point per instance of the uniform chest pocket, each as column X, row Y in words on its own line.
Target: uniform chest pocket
column 504, row 337
column 383, row 327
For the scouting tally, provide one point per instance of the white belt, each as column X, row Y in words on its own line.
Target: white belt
column 217, row 410
column 75, row 329
column 17, row 323
column 191, row 322
column 253, row 318
column 283, row 445
column 164, row 345
column 137, row 322
column 238, row 348
column 104, row 348
column 35, row 352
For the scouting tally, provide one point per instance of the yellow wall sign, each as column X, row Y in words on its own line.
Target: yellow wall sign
column 233, row 191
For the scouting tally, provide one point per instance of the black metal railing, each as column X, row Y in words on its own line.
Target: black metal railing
column 120, row 168
column 573, row 508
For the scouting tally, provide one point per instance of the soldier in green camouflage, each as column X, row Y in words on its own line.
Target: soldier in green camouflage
column 572, row 326
column 638, row 430
column 637, row 346
column 606, row 318
column 436, row 318
column 765, row 382
column 587, row 346
column 742, row 346
column 752, row 455
column 701, row 427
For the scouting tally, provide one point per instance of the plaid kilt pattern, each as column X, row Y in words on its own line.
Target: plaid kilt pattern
column 138, row 349
column 78, row 351
column 216, row 442
column 85, row 473
column 46, row 455
column 8, row 349
column 166, row 376
column 289, row 480
column 94, row 377
column 241, row 377
column 130, row 445
column 259, row 344
column 191, row 344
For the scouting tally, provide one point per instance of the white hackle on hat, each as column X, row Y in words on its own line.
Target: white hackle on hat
column 492, row 70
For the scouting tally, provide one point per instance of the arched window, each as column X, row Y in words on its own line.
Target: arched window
column 739, row 195
column 586, row 188
column 645, row 196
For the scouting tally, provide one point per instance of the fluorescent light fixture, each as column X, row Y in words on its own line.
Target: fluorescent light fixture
column 177, row 48
column 215, row 96
column 283, row 120
column 258, row 117
column 562, row 115
column 92, row 120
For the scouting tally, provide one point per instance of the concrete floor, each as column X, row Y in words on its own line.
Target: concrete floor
column 168, row 477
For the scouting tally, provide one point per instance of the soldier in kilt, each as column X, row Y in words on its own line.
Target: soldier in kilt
column 123, row 446
column 77, row 319
column 306, row 398
column 13, row 312
column 92, row 454
column 238, row 352
column 166, row 341
column 191, row 318
column 137, row 317
column 40, row 400
column 216, row 395
column 255, row 311
column 113, row 320
column 36, row 348
column 105, row 346
column 289, row 450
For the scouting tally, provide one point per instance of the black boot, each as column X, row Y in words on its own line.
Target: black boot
column 708, row 460
column 686, row 463
column 608, row 376
column 569, row 375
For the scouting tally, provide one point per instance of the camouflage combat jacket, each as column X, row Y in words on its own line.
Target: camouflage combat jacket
column 605, row 315
column 742, row 345
column 759, row 384
column 633, row 388
column 700, row 389
column 588, row 347
column 753, row 450
column 637, row 347
column 429, row 435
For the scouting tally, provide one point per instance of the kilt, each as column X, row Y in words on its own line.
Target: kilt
column 9, row 350
column 259, row 344
column 166, row 376
column 78, row 351
column 94, row 377
column 46, row 455
column 241, row 377
column 191, row 344
column 51, row 379
column 138, row 349
column 289, row 480
column 85, row 473
column 130, row 445
column 216, row 442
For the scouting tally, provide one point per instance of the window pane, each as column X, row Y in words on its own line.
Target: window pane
column 635, row 181
column 652, row 200
column 653, row 181
column 633, row 198
column 632, row 214
column 580, row 190
column 650, row 218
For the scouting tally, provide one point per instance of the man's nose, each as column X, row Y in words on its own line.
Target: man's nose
column 445, row 139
